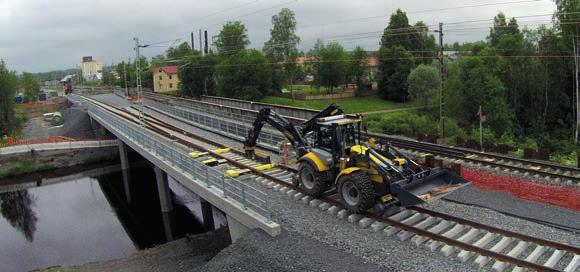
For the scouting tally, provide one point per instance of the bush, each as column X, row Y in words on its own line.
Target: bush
column 452, row 129
column 406, row 123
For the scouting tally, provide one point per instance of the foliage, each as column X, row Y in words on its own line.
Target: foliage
column 394, row 68
column 196, row 74
column 349, row 105
column 358, row 69
column 401, row 46
column 331, row 66
column 8, row 85
column 30, row 87
column 108, row 77
column 407, row 123
column 244, row 75
column 176, row 53
column 23, row 167
column 282, row 47
column 131, row 69
column 423, row 83
column 232, row 38
column 474, row 85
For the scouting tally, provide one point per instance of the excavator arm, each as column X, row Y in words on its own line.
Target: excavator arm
column 331, row 110
column 291, row 132
column 295, row 135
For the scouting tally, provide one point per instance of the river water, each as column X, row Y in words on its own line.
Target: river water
column 87, row 218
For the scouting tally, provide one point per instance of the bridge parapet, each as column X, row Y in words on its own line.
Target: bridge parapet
column 230, row 125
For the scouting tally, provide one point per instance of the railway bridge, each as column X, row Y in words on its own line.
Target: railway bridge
column 161, row 131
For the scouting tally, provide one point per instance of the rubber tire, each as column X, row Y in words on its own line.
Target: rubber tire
column 319, row 184
column 365, row 188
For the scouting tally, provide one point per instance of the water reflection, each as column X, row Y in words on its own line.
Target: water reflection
column 84, row 219
column 16, row 208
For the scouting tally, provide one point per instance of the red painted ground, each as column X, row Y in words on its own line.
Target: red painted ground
column 554, row 195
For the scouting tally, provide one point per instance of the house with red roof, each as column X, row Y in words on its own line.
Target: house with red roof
column 165, row 79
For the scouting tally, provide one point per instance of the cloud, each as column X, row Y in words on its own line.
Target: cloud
column 40, row 35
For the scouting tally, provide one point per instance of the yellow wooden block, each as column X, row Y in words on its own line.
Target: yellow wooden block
column 221, row 150
column 265, row 167
column 212, row 160
column 196, row 155
column 232, row 173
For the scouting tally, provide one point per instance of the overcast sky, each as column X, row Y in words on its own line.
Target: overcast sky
column 44, row 35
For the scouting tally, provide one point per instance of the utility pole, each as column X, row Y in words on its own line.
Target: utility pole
column 441, row 83
column 138, row 64
column 192, row 43
column 206, row 48
column 200, row 47
column 577, row 100
column 481, row 119
column 125, row 78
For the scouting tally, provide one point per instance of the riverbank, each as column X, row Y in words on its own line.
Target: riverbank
column 256, row 251
column 186, row 254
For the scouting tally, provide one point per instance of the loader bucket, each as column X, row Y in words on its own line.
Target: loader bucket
column 426, row 186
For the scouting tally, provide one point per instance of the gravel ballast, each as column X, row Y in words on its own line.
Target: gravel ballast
column 289, row 251
column 512, row 206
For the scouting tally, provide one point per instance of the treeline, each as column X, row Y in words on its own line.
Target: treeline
column 523, row 80
column 11, row 119
column 233, row 70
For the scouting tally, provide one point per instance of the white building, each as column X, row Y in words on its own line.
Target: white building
column 92, row 69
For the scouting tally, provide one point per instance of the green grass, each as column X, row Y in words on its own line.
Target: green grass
column 307, row 89
column 350, row 105
column 23, row 167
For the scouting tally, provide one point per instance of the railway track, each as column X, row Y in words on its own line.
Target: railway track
column 554, row 173
column 463, row 239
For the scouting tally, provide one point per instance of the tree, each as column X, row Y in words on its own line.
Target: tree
column 108, row 77
column 398, row 31
column 232, row 38
column 471, row 84
column 196, row 74
column 425, row 48
column 30, row 86
column 423, row 83
column 245, row 75
column 282, row 47
column 332, row 66
column 175, row 54
column 158, row 61
column 8, row 85
column 395, row 64
column 358, row 69
column 401, row 44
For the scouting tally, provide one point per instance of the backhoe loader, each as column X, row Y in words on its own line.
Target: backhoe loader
column 365, row 175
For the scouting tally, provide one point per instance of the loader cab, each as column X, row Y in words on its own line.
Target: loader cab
column 337, row 134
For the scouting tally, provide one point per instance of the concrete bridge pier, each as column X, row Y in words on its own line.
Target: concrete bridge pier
column 207, row 214
column 127, row 184
column 237, row 229
column 163, row 189
column 168, row 223
column 123, row 155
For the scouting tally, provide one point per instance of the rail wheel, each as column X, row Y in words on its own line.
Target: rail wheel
column 357, row 192
column 312, row 181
